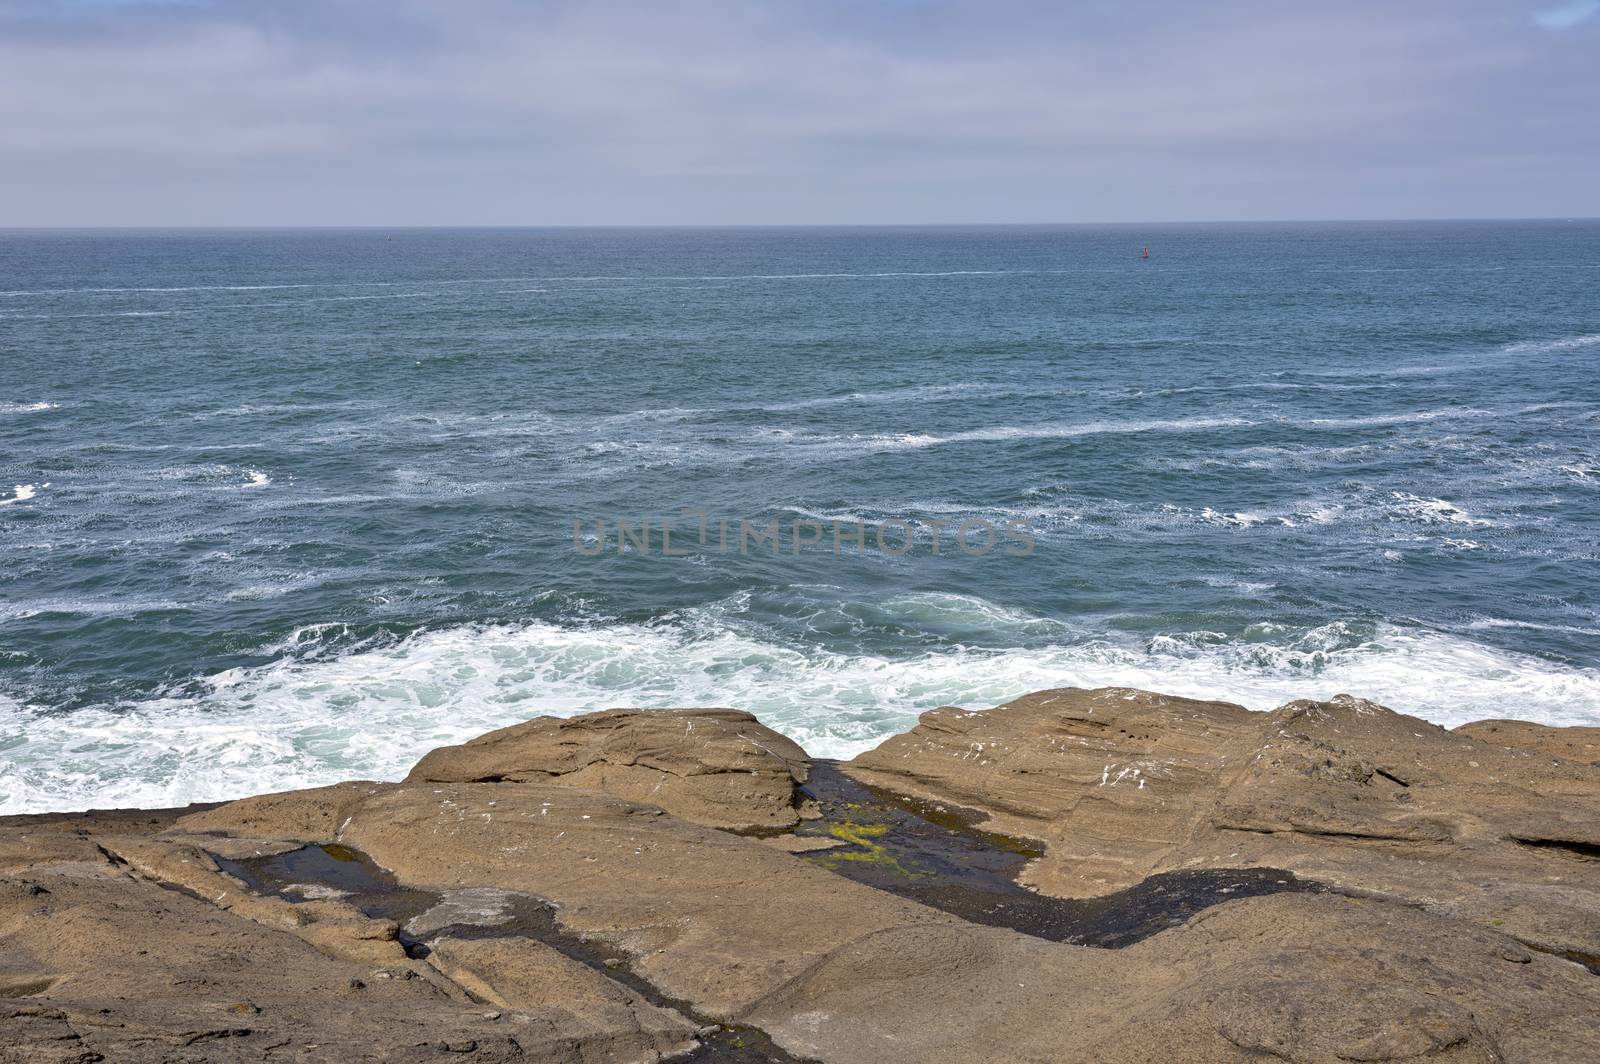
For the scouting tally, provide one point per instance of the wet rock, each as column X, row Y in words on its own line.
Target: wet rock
column 150, row 939
column 709, row 917
column 719, row 767
column 1113, row 781
column 335, row 928
column 557, row 917
column 803, row 843
column 144, row 973
column 525, row 975
column 1310, row 979
column 1120, row 784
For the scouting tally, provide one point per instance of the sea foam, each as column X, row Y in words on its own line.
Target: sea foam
column 309, row 718
column 22, row 493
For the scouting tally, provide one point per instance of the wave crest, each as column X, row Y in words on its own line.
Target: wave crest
column 312, row 717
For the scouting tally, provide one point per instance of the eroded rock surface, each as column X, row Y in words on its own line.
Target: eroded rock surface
column 1119, row 784
column 106, row 965
column 1569, row 744
column 720, row 767
column 1308, row 979
column 163, row 938
column 711, row 917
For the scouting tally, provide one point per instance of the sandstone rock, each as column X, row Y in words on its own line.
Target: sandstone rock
column 55, row 838
column 1120, row 784
column 312, row 815
column 1309, row 979
column 331, row 926
column 803, row 843
column 718, row 767
column 134, row 943
column 528, row 976
column 844, row 973
column 1325, row 980
column 140, row 973
column 1569, row 744
column 710, row 917
column 30, row 847
column 1113, row 780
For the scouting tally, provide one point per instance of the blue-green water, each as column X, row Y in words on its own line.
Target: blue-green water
column 283, row 508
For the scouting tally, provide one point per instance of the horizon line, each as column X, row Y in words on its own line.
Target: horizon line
column 325, row 227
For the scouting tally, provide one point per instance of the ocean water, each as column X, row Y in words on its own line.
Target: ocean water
column 282, row 508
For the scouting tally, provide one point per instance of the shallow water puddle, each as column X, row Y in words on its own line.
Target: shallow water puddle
column 932, row 854
column 927, row 853
column 330, row 870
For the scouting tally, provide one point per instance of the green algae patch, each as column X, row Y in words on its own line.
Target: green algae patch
column 869, row 849
column 341, row 853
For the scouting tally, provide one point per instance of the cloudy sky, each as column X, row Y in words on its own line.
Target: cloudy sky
column 481, row 112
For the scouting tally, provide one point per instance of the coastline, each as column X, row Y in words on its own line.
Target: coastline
column 1107, row 875
column 272, row 725
column 1275, row 462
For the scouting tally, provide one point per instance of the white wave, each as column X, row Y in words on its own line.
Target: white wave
column 314, row 299
column 892, row 395
column 1234, row 520
column 629, row 281
column 23, row 493
column 1402, row 418
column 27, row 408
column 211, row 476
column 217, row 308
column 1035, row 518
column 922, row 439
column 1011, row 433
column 101, row 314
column 122, row 607
column 838, row 517
column 279, row 409
column 372, row 712
column 1502, row 622
column 1323, row 513
column 884, row 275
column 1410, row 507
column 1249, row 587
column 271, row 589
column 177, row 288
column 1567, row 343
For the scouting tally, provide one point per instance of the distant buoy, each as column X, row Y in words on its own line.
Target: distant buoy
column 1146, row 254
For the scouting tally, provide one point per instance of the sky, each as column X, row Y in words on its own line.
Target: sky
column 728, row 112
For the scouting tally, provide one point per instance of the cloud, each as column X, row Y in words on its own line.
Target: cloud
column 499, row 111
column 1568, row 16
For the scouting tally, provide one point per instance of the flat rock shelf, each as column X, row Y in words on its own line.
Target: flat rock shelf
column 1076, row 877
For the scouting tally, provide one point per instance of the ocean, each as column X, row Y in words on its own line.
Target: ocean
column 283, row 508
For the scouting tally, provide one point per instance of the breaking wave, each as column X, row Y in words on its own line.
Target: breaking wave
column 315, row 717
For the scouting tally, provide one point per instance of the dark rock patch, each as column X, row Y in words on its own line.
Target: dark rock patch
column 934, row 855
column 355, row 877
